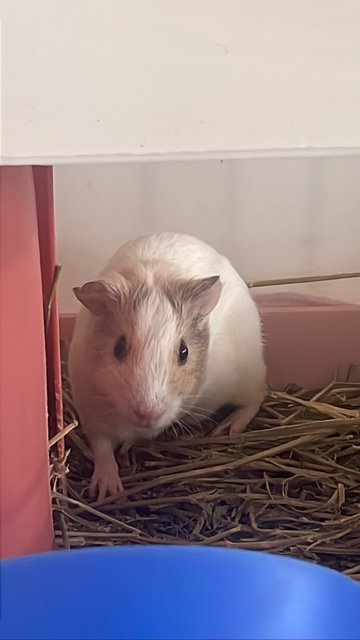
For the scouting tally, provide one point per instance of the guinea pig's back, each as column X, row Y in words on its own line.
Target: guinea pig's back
column 187, row 257
column 179, row 253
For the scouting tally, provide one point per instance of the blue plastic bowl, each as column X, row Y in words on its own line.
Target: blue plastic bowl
column 174, row 593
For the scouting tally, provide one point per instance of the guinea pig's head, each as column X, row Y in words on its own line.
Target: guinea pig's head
column 149, row 345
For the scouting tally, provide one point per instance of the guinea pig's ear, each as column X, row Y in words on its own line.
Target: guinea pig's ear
column 96, row 296
column 204, row 294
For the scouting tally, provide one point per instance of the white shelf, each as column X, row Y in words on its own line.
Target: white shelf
column 104, row 80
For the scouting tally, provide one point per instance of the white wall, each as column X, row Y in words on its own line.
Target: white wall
column 107, row 78
column 271, row 217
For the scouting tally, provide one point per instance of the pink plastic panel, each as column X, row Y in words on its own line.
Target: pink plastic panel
column 311, row 346
column 309, row 340
column 25, row 514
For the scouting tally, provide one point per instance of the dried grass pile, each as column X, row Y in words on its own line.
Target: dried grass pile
column 290, row 484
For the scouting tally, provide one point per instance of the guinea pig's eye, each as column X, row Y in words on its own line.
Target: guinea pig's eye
column 120, row 349
column 183, row 352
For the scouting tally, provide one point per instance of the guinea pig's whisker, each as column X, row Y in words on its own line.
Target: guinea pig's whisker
column 181, row 429
column 184, row 427
column 191, row 421
column 196, row 397
column 202, row 414
column 179, row 424
column 187, row 430
column 195, row 408
column 173, row 428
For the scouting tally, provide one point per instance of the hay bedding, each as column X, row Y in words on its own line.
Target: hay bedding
column 290, row 484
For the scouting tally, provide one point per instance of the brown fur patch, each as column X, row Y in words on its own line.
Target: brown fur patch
column 187, row 378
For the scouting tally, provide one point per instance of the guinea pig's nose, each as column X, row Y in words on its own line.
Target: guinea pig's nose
column 145, row 416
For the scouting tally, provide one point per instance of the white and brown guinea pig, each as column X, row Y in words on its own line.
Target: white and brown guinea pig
column 168, row 329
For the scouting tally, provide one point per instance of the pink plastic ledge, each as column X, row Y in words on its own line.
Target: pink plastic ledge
column 308, row 341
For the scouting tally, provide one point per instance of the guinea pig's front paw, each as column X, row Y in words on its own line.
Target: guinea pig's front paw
column 237, row 422
column 105, row 482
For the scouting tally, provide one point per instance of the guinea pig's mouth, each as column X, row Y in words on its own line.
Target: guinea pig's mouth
column 146, row 431
column 146, row 427
column 149, row 422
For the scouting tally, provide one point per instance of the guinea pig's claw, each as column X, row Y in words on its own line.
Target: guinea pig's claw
column 222, row 429
column 107, row 483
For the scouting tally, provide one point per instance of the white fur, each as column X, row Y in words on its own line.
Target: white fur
column 156, row 325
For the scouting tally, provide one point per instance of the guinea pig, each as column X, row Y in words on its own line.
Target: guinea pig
column 167, row 331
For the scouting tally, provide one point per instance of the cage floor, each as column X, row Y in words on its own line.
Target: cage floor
column 290, row 484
